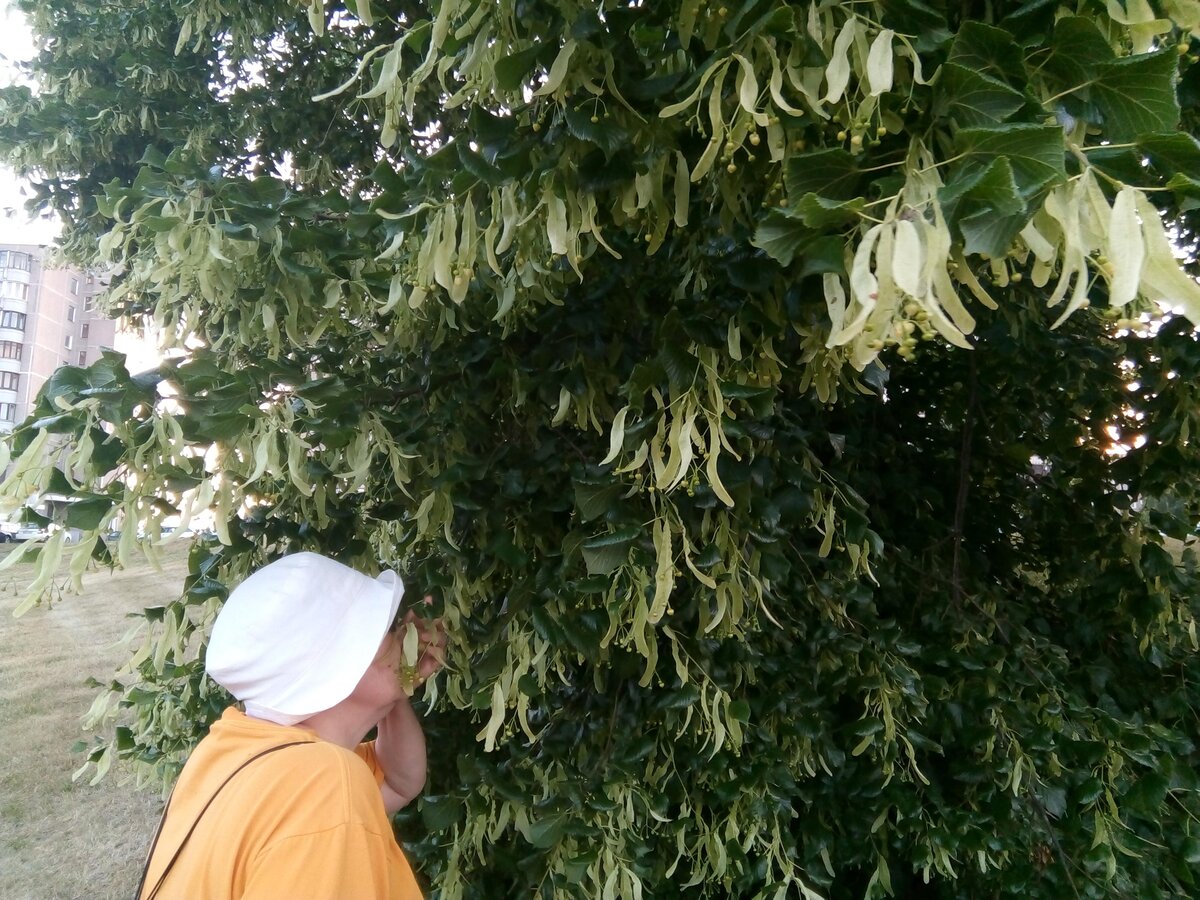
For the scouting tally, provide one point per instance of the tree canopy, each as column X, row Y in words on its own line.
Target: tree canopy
column 792, row 408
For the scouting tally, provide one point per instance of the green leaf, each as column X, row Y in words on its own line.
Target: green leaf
column 1172, row 153
column 680, row 366
column 1191, row 851
column 867, row 726
column 1122, row 162
column 988, row 51
column 679, row 698
column 1090, row 791
column 1137, row 95
column 58, row 484
column 63, row 423
column 441, row 813
column 158, row 224
column 975, row 98
column 1030, row 22
column 754, row 16
column 830, row 173
column 124, row 739
column 478, row 166
column 1054, row 799
column 1035, row 154
column 545, row 833
column 820, row 213
column 1147, row 795
column 1077, row 49
column 605, row 132
column 603, row 554
column 494, row 135
column 1187, row 189
column 203, row 588
column 914, row 17
column 30, row 516
column 503, row 548
column 708, row 557
column 66, row 382
column 330, row 389
column 238, row 232
column 780, row 236
column 514, row 69
column 825, row 254
column 594, row 500
column 599, row 172
column 991, row 212
column 731, row 390
column 87, row 512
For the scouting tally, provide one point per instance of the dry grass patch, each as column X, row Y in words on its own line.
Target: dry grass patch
column 61, row 838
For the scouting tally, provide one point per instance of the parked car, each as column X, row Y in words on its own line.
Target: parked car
column 8, row 531
column 28, row 532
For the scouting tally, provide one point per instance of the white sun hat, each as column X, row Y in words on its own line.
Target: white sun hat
column 295, row 637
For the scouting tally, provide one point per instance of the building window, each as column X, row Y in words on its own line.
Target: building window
column 83, row 357
column 10, row 319
column 9, row 381
column 11, row 350
column 83, row 332
column 75, row 286
column 89, row 301
column 69, row 342
column 13, row 259
column 70, row 314
column 8, row 412
column 14, row 290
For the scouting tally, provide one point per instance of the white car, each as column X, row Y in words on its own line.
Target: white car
column 26, row 532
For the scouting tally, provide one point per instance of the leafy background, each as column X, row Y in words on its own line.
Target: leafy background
column 698, row 359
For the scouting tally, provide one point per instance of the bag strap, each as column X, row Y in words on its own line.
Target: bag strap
column 163, row 818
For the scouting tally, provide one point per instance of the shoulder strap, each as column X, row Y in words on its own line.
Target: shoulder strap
column 166, row 809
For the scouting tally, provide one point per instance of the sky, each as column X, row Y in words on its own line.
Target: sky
column 16, row 44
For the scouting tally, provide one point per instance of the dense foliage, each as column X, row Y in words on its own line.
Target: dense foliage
column 744, row 381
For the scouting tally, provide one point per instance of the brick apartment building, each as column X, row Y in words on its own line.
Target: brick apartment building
column 48, row 318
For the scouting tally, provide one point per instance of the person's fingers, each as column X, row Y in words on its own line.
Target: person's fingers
column 431, row 630
column 431, row 637
column 433, row 651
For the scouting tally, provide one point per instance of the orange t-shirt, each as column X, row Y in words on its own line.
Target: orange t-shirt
column 305, row 821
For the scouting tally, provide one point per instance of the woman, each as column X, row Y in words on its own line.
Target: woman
column 281, row 798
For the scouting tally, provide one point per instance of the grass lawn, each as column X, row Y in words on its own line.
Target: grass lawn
column 61, row 838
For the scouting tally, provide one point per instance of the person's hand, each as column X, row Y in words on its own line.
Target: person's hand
column 431, row 641
column 430, row 637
